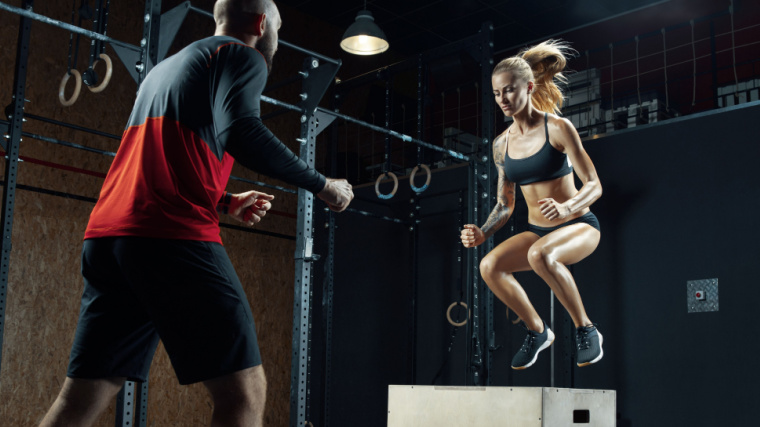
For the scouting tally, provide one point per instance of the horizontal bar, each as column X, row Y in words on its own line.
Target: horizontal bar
column 201, row 11
column 67, row 144
column 374, row 215
column 72, row 126
column 262, row 184
column 400, row 136
column 308, row 52
column 282, row 42
column 253, row 230
column 282, row 104
column 66, row 26
column 52, row 192
column 93, row 200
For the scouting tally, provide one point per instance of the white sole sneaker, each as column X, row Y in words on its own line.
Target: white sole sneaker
column 545, row 345
column 601, row 352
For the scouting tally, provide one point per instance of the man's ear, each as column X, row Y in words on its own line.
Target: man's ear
column 261, row 24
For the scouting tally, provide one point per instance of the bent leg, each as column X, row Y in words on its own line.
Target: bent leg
column 549, row 257
column 81, row 401
column 497, row 267
column 239, row 398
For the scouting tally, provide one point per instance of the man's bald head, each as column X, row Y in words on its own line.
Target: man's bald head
column 240, row 15
column 255, row 22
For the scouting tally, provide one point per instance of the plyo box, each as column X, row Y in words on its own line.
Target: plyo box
column 435, row 406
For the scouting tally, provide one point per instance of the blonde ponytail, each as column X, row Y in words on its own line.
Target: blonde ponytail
column 541, row 64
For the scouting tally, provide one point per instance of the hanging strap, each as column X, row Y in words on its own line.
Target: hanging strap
column 612, row 80
column 419, row 106
column 733, row 51
column 694, row 61
column 638, row 84
column 665, row 68
column 588, row 92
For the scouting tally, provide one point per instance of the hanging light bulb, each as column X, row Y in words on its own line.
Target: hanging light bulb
column 364, row 37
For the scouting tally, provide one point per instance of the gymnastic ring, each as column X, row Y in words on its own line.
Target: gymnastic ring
column 448, row 313
column 107, row 78
column 414, row 173
column 77, row 88
column 395, row 185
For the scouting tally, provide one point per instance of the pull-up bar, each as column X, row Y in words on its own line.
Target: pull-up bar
column 398, row 135
column 282, row 42
column 66, row 26
column 393, row 133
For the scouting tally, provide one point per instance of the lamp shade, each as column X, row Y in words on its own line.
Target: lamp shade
column 364, row 37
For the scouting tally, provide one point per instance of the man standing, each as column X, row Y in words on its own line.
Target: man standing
column 153, row 263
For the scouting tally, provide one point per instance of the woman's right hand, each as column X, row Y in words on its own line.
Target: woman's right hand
column 472, row 236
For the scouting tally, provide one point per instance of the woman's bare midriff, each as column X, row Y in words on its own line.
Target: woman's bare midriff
column 560, row 189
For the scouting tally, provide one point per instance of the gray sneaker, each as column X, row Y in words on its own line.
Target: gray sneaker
column 589, row 343
column 533, row 344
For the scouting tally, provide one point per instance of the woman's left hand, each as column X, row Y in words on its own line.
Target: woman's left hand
column 553, row 210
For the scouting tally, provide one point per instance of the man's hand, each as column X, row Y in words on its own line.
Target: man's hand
column 249, row 207
column 337, row 194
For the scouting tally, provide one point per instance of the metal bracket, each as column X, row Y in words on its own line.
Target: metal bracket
column 308, row 254
column 171, row 21
column 318, row 79
column 130, row 59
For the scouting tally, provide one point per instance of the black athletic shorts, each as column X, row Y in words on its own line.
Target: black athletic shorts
column 588, row 218
column 139, row 290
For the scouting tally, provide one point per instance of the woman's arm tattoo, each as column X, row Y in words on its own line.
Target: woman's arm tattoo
column 503, row 209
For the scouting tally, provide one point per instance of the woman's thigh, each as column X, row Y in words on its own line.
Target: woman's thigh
column 568, row 245
column 511, row 255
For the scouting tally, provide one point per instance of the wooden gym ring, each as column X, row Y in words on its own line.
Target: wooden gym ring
column 77, row 88
column 395, row 185
column 414, row 173
column 448, row 313
column 109, row 71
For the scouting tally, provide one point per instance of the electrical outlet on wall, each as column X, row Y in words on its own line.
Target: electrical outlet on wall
column 702, row 295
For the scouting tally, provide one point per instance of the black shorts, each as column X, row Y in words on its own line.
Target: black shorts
column 588, row 218
column 137, row 290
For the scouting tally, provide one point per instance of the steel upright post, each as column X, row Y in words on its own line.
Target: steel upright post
column 148, row 59
column 11, row 163
column 486, row 197
column 481, row 202
column 318, row 77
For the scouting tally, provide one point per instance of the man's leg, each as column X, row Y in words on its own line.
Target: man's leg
column 239, row 398
column 81, row 401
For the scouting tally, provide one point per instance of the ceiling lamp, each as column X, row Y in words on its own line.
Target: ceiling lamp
column 364, row 37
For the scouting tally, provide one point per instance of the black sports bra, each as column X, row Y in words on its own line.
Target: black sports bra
column 547, row 164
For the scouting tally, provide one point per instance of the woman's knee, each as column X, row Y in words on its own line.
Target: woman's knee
column 540, row 257
column 489, row 266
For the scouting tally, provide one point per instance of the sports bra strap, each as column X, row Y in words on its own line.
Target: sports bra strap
column 546, row 125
